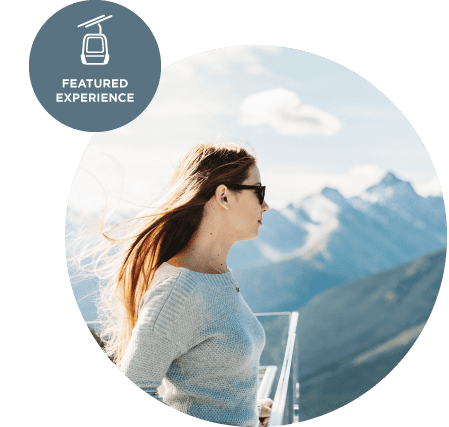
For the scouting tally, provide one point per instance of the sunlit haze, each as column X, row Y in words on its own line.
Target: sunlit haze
column 311, row 122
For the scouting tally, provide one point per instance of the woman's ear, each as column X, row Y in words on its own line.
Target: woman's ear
column 221, row 197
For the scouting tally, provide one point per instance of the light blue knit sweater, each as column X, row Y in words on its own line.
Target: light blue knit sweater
column 197, row 340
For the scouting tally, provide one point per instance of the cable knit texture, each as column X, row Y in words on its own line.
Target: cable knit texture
column 199, row 344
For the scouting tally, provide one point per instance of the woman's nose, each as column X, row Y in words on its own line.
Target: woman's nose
column 265, row 206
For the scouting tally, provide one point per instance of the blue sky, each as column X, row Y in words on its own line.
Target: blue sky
column 310, row 121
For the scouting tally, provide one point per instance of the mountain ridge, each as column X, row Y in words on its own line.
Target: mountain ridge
column 342, row 240
column 317, row 219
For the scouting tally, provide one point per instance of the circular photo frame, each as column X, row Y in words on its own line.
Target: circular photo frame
column 339, row 275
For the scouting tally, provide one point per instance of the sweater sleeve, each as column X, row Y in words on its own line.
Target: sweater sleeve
column 153, row 345
column 147, row 359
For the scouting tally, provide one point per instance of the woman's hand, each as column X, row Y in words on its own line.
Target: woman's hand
column 265, row 411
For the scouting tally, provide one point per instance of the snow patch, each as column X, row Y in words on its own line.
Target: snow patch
column 400, row 340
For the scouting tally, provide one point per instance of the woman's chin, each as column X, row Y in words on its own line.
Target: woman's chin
column 251, row 236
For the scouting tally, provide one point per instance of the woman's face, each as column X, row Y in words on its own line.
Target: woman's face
column 247, row 210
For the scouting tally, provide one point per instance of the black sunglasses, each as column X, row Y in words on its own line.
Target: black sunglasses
column 260, row 189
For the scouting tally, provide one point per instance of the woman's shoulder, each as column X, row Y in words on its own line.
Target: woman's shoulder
column 171, row 289
column 172, row 293
column 168, row 273
column 174, row 288
column 168, row 281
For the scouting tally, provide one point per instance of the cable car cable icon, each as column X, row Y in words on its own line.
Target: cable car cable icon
column 95, row 46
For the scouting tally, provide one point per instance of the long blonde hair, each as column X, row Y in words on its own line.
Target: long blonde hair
column 142, row 244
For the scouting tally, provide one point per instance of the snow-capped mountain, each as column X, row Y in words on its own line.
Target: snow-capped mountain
column 387, row 225
column 337, row 240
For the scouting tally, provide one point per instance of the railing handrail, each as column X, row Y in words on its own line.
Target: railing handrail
column 267, row 381
column 278, row 408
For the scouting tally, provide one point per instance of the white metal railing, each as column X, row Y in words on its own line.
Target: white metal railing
column 280, row 398
column 269, row 372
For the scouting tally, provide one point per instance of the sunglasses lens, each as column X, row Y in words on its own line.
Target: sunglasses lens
column 261, row 194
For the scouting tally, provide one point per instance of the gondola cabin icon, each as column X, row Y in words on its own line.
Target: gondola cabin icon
column 95, row 46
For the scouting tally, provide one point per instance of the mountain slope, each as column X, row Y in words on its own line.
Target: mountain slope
column 345, row 321
column 351, row 336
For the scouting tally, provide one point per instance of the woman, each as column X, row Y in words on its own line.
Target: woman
column 185, row 335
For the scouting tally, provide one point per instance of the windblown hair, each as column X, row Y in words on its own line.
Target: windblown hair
column 142, row 244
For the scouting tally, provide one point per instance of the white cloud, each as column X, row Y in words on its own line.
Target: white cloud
column 287, row 184
column 208, row 84
column 282, row 110
column 429, row 187
column 358, row 178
